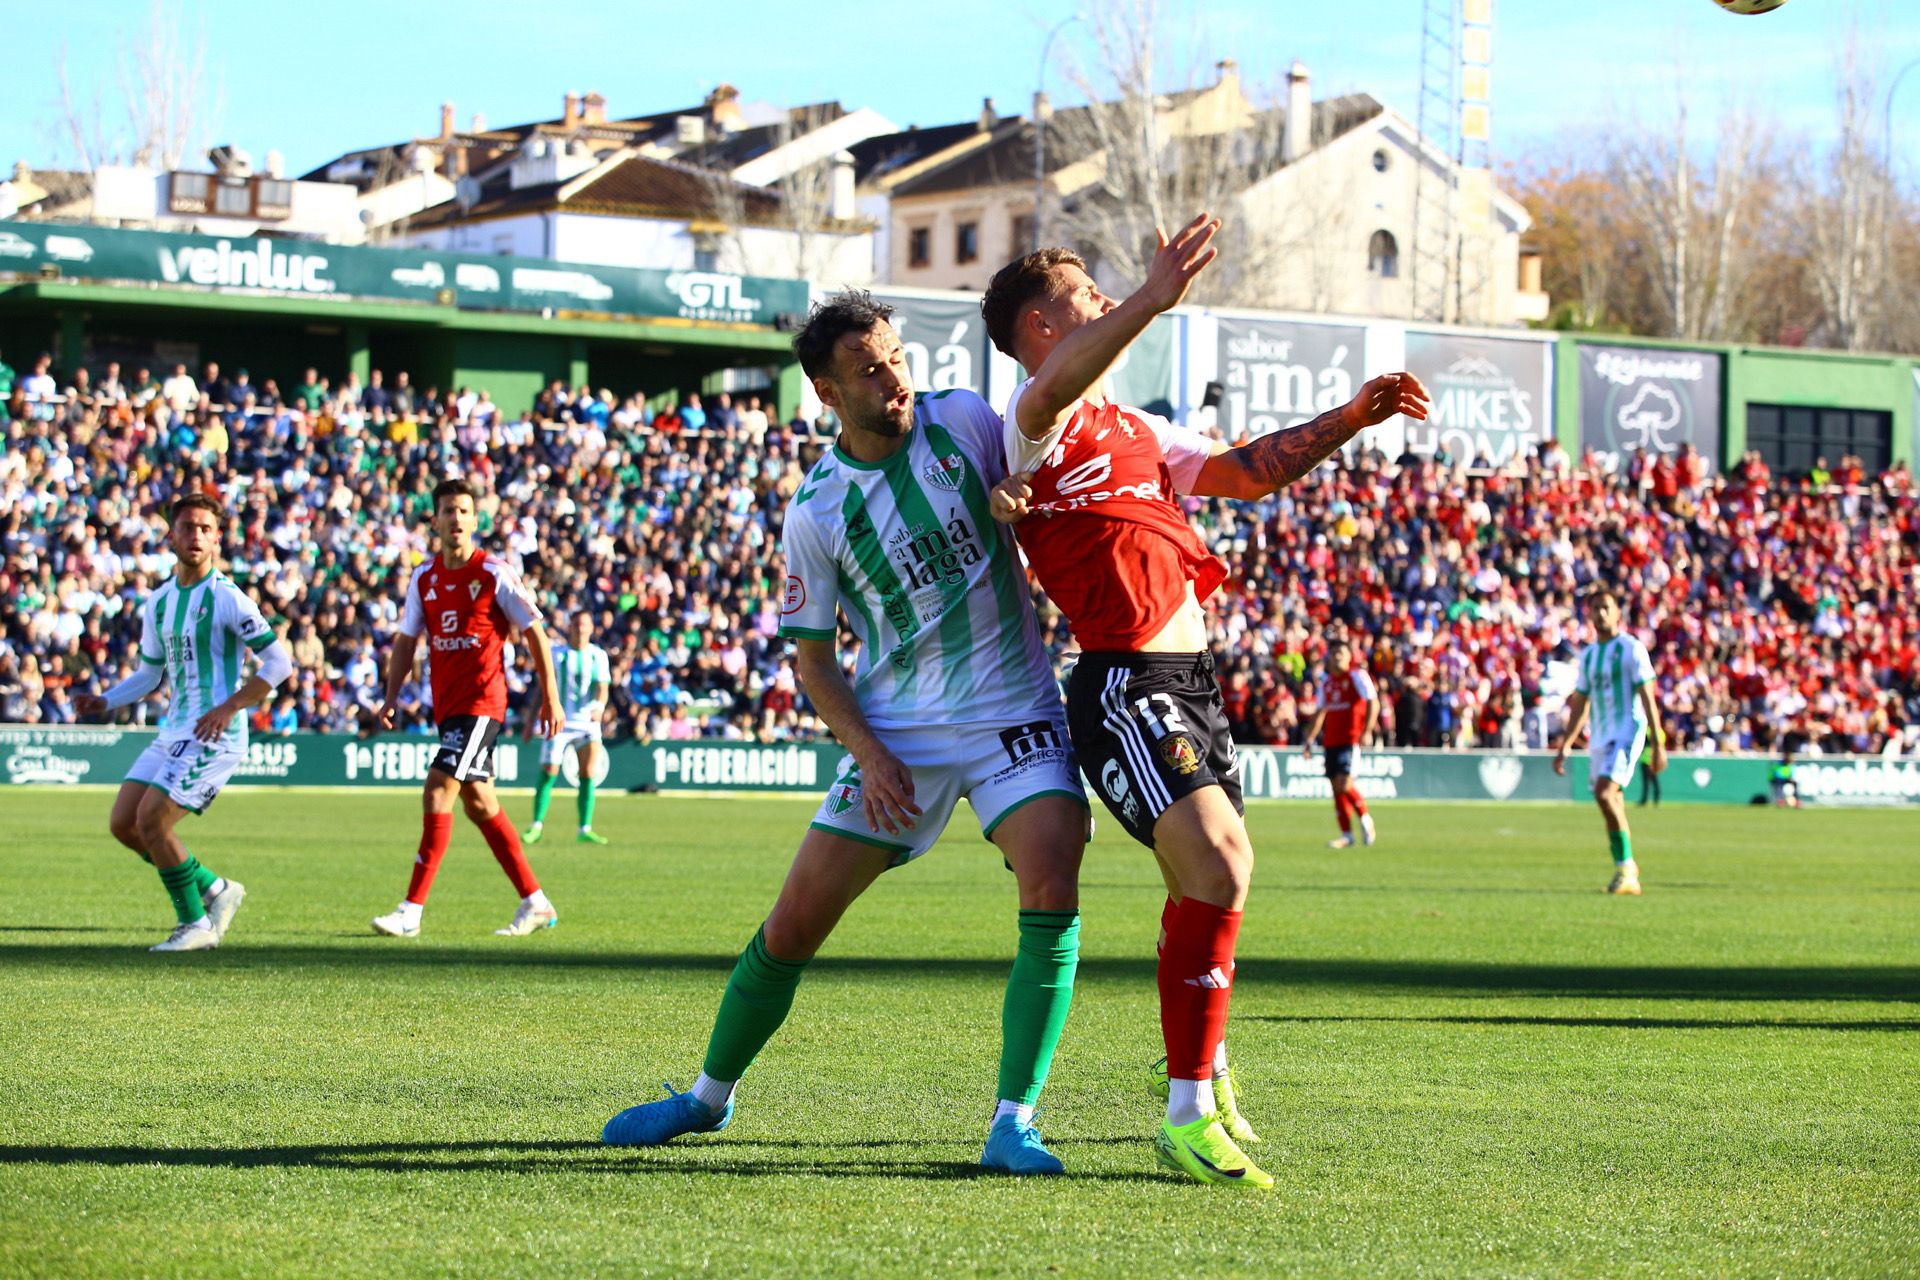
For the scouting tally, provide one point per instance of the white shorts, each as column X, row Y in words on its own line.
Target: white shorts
column 189, row 771
column 573, row 735
column 1616, row 758
column 997, row 768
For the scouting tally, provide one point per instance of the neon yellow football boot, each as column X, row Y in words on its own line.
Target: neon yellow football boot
column 1203, row 1151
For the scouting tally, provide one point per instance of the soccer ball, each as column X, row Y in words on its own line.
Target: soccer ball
column 1749, row 6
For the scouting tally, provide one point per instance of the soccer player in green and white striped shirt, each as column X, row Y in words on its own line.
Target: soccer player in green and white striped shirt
column 196, row 633
column 952, row 697
column 584, row 675
column 1615, row 690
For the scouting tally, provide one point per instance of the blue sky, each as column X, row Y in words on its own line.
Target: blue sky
column 375, row 72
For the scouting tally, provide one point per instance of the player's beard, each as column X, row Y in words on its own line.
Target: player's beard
column 889, row 423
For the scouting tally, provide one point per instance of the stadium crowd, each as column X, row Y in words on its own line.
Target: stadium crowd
column 1777, row 610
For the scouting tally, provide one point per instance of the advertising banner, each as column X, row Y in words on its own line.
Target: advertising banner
column 945, row 341
column 1280, row 373
column 1650, row 400
column 1492, row 397
column 1144, row 376
column 301, row 268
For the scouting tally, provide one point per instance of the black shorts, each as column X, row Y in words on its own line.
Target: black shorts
column 1150, row 728
column 466, row 747
column 1339, row 760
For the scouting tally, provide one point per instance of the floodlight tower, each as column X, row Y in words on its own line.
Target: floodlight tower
column 1453, row 189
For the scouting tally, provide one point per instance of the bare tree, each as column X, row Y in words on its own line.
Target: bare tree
column 161, row 77
column 1843, row 207
column 797, row 209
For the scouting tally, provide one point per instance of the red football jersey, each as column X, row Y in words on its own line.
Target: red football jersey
column 1107, row 537
column 1345, row 699
column 467, row 615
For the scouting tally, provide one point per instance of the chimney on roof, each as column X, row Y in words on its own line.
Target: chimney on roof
column 446, row 119
column 1042, row 106
column 593, row 108
column 1296, row 134
column 988, row 116
column 1229, row 71
column 572, row 115
column 723, row 109
column 479, row 123
column 841, row 202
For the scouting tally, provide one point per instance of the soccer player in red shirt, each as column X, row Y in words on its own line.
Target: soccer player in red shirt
column 467, row 603
column 1100, row 521
column 1348, row 712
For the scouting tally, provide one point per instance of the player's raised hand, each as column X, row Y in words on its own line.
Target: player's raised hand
column 1010, row 497
column 886, row 787
column 1177, row 261
column 90, row 704
column 1389, row 394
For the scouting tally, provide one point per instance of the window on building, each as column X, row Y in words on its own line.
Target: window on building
column 233, row 199
column 966, row 242
column 1023, row 233
column 273, row 197
column 1381, row 160
column 1792, row 438
column 1383, row 255
column 920, row 247
column 190, row 192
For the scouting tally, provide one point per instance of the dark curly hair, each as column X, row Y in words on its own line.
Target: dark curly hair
column 849, row 311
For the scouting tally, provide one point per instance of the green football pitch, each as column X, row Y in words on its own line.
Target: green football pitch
column 1464, row 1057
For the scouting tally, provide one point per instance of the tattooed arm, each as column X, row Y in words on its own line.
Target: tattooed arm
column 1275, row 460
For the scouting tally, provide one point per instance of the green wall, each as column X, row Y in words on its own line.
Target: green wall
column 1821, row 380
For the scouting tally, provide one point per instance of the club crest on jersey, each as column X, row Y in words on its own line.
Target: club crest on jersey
column 946, row 473
column 1179, row 755
column 473, row 589
column 842, row 798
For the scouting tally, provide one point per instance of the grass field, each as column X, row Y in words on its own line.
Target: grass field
column 1466, row 1060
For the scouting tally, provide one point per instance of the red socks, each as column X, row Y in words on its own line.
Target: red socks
column 1356, row 803
column 436, row 831
column 1166, row 926
column 1196, row 981
column 1343, row 811
column 505, row 843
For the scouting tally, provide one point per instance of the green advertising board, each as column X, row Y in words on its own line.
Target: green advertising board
column 68, row 756
column 311, row 269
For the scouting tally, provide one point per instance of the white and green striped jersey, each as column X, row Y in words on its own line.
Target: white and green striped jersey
column 930, row 582
column 197, row 635
column 578, row 671
column 1611, row 673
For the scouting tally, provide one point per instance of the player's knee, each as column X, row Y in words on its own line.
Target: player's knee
column 150, row 828
column 790, row 936
column 126, row 831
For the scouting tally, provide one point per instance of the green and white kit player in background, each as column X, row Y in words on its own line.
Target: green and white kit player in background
column 1615, row 689
column 585, row 675
column 953, row 696
column 196, row 633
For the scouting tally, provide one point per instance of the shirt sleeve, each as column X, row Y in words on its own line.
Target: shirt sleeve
column 150, row 648
column 812, row 605
column 246, row 620
column 1642, row 664
column 1185, row 450
column 413, row 618
column 511, row 594
column 1363, row 685
column 1024, row 454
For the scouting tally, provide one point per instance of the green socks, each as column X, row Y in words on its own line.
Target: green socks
column 1621, row 845
column 759, row 994
column 586, row 803
column 1038, row 993
column 184, row 884
column 542, row 797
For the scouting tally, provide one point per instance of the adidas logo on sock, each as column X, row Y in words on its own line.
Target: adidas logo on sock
column 1213, row 980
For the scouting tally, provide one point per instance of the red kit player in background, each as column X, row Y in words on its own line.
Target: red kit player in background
column 1349, row 710
column 468, row 603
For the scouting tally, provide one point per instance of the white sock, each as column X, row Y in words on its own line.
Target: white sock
column 409, row 910
column 1188, row 1100
column 714, row 1093
column 201, row 923
column 537, row 900
column 1021, row 1112
column 1220, row 1057
column 214, row 890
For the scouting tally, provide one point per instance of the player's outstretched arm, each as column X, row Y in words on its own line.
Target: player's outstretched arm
column 142, row 682
column 1275, row 460
column 886, row 785
column 551, row 715
column 1576, row 720
column 1084, row 356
